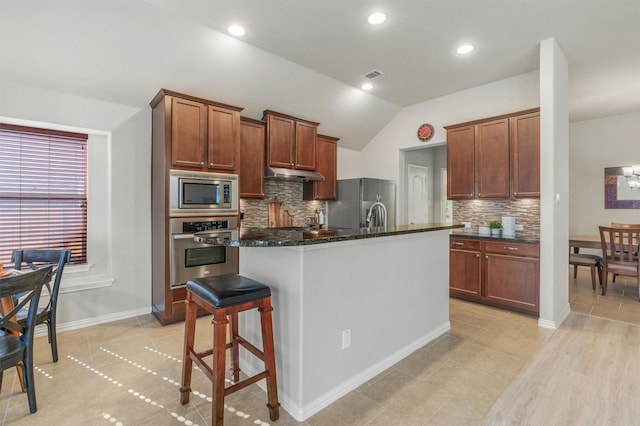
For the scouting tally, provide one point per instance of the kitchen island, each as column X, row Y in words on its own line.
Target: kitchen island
column 348, row 304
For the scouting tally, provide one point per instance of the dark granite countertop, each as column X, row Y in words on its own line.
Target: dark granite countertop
column 278, row 237
column 520, row 237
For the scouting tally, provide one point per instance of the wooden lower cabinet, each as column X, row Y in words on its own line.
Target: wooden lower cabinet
column 497, row 273
column 465, row 269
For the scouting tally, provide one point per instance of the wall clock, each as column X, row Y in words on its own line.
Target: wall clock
column 425, row 132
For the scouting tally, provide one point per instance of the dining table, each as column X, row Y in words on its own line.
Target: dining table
column 584, row 241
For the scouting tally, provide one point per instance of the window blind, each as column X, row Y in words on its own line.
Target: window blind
column 43, row 191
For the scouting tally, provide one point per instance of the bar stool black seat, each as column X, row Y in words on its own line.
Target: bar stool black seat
column 224, row 297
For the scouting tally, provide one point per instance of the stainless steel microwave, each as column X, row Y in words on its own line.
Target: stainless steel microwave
column 202, row 193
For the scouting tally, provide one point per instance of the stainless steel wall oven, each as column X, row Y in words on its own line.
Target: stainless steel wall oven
column 189, row 259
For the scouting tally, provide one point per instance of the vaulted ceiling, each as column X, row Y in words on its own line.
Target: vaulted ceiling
column 308, row 58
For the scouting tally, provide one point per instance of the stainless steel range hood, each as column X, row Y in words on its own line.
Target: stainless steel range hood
column 282, row 173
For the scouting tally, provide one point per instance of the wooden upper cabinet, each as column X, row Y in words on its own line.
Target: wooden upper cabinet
column 492, row 159
column 281, row 133
column 188, row 133
column 525, row 155
column 461, row 163
column 252, row 158
column 290, row 141
column 305, row 152
column 223, row 140
column 496, row 157
column 200, row 134
column 326, row 165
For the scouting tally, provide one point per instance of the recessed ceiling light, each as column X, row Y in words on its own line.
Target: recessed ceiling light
column 366, row 86
column 236, row 30
column 464, row 49
column 377, row 18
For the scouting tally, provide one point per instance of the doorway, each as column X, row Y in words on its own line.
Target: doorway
column 423, row 186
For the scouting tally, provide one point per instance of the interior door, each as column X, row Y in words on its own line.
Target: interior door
column 418, row 193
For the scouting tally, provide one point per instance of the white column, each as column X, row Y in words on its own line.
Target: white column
column 554, row 185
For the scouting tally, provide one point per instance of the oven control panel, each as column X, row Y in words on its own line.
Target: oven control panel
column 190, row 227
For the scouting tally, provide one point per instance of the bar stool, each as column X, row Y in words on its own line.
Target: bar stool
column 225, row 296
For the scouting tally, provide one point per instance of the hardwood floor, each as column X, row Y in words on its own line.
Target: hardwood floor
column 493, row 367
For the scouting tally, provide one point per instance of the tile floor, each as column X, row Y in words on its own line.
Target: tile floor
column 127, row 373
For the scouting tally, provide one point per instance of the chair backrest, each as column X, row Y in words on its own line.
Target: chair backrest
column 37, row 258
column 625, row 225
column 619, row 244
column 29, row 286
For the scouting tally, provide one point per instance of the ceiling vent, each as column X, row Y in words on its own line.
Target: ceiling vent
column 373, row 74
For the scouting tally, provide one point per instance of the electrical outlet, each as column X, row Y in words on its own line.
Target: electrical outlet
column 519, row 227
column 346, row 338
column 467, row 224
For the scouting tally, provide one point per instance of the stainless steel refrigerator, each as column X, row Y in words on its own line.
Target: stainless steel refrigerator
column 355, row 199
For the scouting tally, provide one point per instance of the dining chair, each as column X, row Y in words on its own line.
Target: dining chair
column 624, row 225
column 592, row 261
column 618, row 247
column 16, row 338
column 47, row 314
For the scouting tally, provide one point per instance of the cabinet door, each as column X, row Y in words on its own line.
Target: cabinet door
column 464, row 274
column 188, row 133
column 512, row 281
column 305, row 151
column 280, row 141
column 223, row 138
column 525, row 155
column 252, row 153
column 326, row 163
column 460, row 163
column 492, row 159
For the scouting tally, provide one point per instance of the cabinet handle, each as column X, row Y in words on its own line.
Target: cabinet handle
column 511, row 248
column 478, row 255
column 515, row 193
column 486, row 257
column 458, row 244
column 210, row 164
column 202, row 163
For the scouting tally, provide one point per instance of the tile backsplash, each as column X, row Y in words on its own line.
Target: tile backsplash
column 481, row 212
column 289, row 192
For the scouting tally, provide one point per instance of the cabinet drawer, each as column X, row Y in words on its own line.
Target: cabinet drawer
column 464, row 244
column 512, row 249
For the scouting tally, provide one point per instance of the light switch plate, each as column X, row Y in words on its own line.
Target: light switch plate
column 467, row 224
column 519, row 227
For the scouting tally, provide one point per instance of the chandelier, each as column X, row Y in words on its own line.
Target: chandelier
column 632, row 174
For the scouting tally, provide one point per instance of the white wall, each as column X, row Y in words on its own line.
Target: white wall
column 594, row 145
column 380, row 158
column 116, row 282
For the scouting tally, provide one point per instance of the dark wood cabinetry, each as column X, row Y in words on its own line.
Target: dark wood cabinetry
column 464, row 268
column 499, row 273
column 290, row 141
column 525, row 153
column 494, row 158
column 461, row 163
column 252, row 158
column 203, row 135
column 188, row 133
column 326, row 164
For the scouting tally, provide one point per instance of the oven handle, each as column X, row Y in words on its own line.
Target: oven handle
column 182, row 236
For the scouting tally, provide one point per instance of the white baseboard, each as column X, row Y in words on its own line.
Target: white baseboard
column 558, row 321
column 308, row 410
column 41, row 330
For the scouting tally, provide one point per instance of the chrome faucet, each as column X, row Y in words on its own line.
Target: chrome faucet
column 381, row 213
